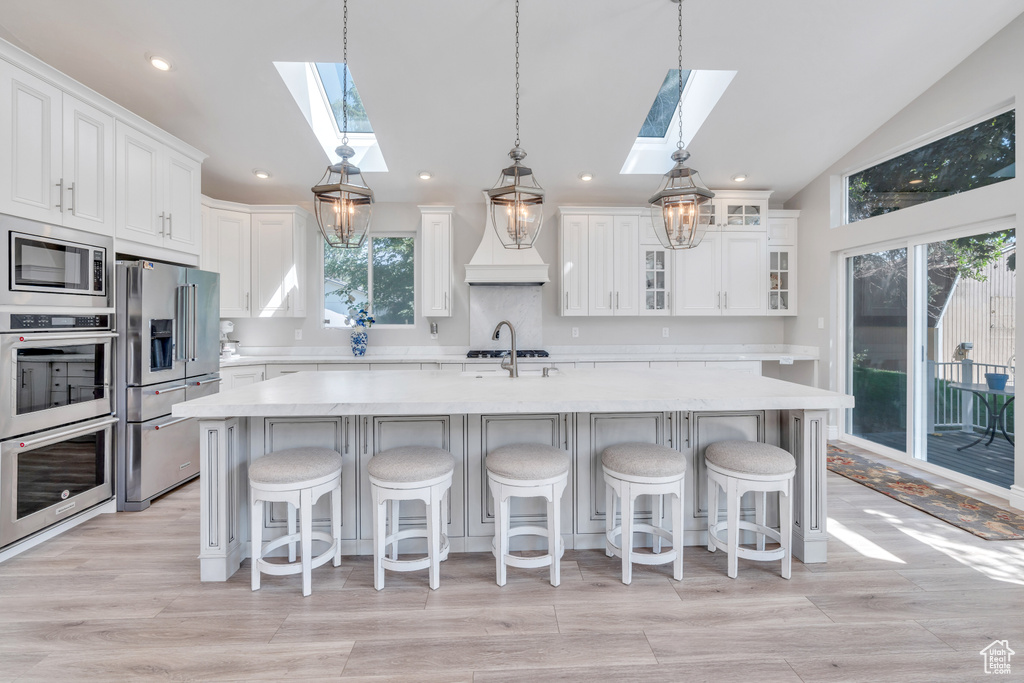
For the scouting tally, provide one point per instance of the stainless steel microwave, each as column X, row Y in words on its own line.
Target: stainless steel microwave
column 49, row 265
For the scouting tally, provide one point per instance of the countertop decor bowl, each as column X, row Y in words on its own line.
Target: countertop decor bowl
column 996, row 380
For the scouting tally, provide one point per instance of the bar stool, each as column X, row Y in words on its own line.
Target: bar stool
column 409, row 473
column 297, row 477
column 740, row 466
column 637, row 469
column 527, row 470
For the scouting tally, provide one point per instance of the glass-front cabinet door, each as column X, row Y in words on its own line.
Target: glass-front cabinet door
column 655, row 269
column 782, row 281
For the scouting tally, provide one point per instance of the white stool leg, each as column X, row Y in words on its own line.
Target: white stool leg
column 657, row 520
column 306, row 531
column 732, row 518
column 336, row 523
column 393, row 527
column 712, row 510
column 379, row 513
column 291, row 530
column 434, row 538
column 256, row 543
column 786, row 529
column 501, row 528
column 554, row 534
column 628, row 502
column 609, row 519
column 760, row 508
column 677, row 531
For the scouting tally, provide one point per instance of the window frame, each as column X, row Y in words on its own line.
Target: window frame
column 407, row 234
column 910, row 146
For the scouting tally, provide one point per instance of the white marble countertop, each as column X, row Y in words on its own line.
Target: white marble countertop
column 437, row 392
column 736, row 352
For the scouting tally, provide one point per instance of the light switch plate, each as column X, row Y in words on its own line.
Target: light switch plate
column 298, row 334
column 575, row 332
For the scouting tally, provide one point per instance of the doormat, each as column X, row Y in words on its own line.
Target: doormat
column 969, row 514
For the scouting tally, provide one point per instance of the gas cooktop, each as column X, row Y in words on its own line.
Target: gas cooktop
column 498, row 353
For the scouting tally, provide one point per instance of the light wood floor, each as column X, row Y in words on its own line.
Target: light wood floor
column 903, row 597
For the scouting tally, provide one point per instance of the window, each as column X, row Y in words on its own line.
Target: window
column 380, row 278
column 980, row 155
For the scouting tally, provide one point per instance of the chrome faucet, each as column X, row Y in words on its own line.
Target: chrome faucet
column 509, row 363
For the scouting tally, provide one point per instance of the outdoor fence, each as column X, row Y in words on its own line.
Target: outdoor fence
column 954, row 409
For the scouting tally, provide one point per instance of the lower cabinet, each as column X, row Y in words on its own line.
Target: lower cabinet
column 376, row 434
column 241, row 376
column 487, row 432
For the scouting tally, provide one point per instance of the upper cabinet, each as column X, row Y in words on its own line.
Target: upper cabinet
column 612, row 262
column 436, row 260
column 61, row 165
column 260, row 253
column 157, row 193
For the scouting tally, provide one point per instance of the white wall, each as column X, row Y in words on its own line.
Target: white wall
column 468, row 223
column 990, row 77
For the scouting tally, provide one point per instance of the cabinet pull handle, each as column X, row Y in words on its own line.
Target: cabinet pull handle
column 719, row 304
column 668, row 300
column 170, row 223
column 567, row 301
column 247, row 301
column 670, row 429
column 565, row 422
column 72, row 191
column 345, row 428
column 727, row 300
column 446, row 301
column 616, row 300
column 162, row 219
column 366, row 428
column 609, row 300
column 60, row 194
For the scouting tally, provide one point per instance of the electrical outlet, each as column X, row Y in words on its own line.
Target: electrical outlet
column 575, row 332
column 821, row 323
column 664, row 332
column 298, row 335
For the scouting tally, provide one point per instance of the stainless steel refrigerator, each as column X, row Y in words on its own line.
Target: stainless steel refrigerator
column 168, row 351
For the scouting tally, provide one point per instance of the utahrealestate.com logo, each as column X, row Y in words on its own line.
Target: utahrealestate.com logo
column 997, row 657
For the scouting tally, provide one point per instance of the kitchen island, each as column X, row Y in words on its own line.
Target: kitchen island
column 470, row 413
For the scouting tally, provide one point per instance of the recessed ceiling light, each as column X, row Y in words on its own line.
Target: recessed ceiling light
column 916, row 181
column 586, row 177
column 426, row 175
column 260, row 173
column 159, row 63
column 739, row 178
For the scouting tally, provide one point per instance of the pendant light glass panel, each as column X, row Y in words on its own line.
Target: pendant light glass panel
column 675, row 209
column 344, row 205
column 517, row 207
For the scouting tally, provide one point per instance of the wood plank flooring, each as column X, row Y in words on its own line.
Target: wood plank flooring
column 904, row 597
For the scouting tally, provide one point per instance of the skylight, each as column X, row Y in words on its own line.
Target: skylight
column 317, row 89
column 652, row 150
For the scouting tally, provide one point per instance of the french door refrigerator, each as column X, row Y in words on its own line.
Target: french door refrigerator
column 168, row 351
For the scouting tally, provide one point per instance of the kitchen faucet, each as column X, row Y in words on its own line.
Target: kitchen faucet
column 509, row 364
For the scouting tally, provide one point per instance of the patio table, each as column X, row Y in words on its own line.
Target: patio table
column 996, row 415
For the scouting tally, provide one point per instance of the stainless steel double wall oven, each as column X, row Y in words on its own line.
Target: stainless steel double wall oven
column 56, row 375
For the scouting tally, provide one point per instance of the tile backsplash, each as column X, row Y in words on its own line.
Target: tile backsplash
column 520, row 305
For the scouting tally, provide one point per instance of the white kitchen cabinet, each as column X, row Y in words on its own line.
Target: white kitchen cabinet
column 61, row 165
column 278, row 257
column 280, row 369
column 575, row 271
column 226, row 250
column 613, row 280
column 436, row 261
column 782, row 262
column 656, row 274
column 242, row 376
column 260, row 252
column 157, row 189
column 723, row 275
column 736, row 210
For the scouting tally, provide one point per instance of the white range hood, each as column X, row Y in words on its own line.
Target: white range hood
column 493, row 264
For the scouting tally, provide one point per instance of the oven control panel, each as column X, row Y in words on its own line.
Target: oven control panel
column 21, row 321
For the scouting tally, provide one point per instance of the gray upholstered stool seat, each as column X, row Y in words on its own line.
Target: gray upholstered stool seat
column 421, row 473
column 528, row 461
column 643, row 469
column 295, row 465
column 410, row 463
column 643, row 460
column 739, row 467
column 527, row 470
column 750, row 457
column 297, row 477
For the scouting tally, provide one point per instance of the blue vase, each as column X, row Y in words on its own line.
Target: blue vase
column 359, row 339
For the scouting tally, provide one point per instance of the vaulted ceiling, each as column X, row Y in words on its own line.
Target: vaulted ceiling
column 436, row 77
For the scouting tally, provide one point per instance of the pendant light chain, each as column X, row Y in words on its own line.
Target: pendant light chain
column 517, row 73
column 679, row 145
column 344, row 87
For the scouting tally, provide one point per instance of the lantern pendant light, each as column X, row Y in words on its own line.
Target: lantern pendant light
column 675, row 209
column 517, row 200
column 344, row 202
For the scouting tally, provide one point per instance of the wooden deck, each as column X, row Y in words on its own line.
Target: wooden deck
column 902, row 597
column 993, row 463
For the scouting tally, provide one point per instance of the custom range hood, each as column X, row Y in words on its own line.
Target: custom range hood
column 493, row 264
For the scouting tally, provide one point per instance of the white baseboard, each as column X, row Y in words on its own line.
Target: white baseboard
column 1017, row 496
column 833, row 432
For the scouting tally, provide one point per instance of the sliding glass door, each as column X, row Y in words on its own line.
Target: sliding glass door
column 876, row 346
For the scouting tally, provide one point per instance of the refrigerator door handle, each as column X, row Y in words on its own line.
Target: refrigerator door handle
column 193, row 323
column 180, row 308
